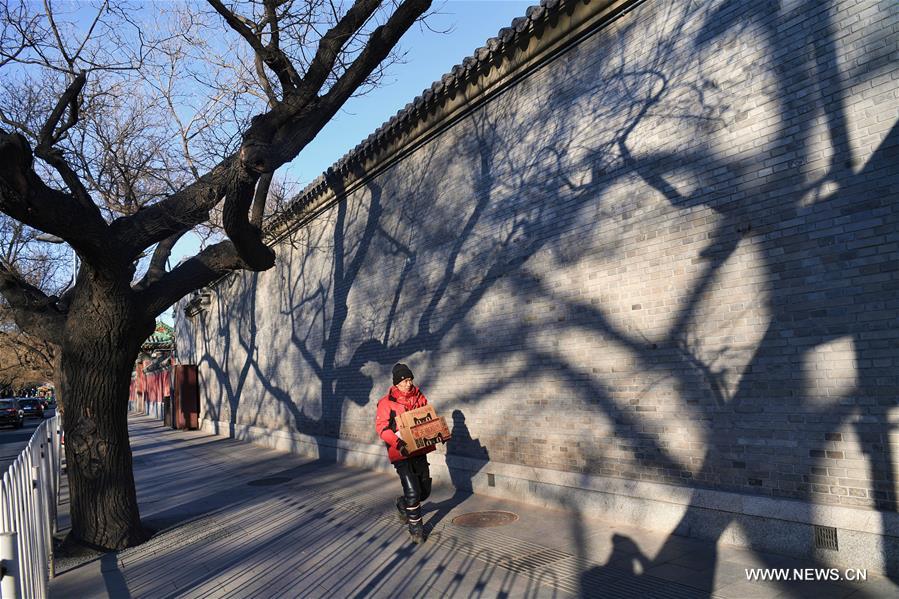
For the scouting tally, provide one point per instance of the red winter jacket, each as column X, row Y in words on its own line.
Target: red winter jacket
column 389, row 407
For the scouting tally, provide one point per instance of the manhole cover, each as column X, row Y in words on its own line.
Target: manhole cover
column 267, row 482
column 485, row 519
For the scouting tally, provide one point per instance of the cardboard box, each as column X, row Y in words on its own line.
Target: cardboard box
column 426, row 434
column 422, row 427
column 416, row 416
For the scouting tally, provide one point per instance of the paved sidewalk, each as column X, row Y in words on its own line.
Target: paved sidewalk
column 237, row 520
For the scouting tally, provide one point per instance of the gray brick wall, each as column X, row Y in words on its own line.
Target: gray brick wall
column 669, row 255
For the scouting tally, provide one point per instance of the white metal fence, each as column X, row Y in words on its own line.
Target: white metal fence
column 28, row 496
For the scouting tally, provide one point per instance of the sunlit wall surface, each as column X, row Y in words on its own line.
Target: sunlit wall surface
column 668, row 256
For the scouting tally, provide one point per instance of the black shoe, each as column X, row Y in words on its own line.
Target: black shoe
column 401, row 509
column 417, row 533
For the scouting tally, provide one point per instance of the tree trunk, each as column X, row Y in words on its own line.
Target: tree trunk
column 102, row 340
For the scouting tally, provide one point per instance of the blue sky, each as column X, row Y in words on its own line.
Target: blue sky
column 428, row 56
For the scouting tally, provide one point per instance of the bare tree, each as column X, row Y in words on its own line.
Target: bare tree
column 120, row 133
column 25, row 358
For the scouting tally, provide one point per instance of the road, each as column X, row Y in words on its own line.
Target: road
column 14, row 440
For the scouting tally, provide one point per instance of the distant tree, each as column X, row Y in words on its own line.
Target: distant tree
column 25, row 359
column 123, row 129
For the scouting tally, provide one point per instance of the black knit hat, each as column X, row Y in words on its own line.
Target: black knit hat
column 400, row 372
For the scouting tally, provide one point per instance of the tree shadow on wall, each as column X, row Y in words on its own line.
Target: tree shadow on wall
column 814, row 300
column 318, row 319
column 528, row 213
column 237, row 322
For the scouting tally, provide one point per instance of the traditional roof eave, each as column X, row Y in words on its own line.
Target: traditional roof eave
column 163, row 337
column 150, row 346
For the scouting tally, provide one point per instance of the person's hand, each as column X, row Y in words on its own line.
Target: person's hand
column 402, row 447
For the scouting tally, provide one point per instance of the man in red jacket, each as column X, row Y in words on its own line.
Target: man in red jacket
column 412, row 466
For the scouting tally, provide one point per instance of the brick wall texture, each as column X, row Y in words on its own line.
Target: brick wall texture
column 668, row 255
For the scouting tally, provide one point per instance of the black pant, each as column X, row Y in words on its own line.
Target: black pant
column 416, row 479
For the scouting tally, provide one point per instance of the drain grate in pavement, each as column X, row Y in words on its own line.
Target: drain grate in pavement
column 485, row 519
column 269, row 481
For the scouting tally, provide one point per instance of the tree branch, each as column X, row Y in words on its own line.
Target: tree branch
column 279, row 135
column 55, row 29
column 204, row 268
column 69, row 99
column 272, row 139
column 235, row 23
column 246, row 236
column 271, row 20
column 273, row 57
column 156, row 270
column 182, row 210
column 26, row 198
column 382, row 40
column 32, row 309
column 51, row 133
column 4, row 118
column 264, row 81
column 90, row 31
column 259, row 199
column 330, row 45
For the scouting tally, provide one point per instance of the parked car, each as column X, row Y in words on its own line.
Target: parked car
column 11, row 413
column 32, row 407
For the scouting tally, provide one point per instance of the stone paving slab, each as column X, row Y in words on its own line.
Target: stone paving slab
column 236, row 521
